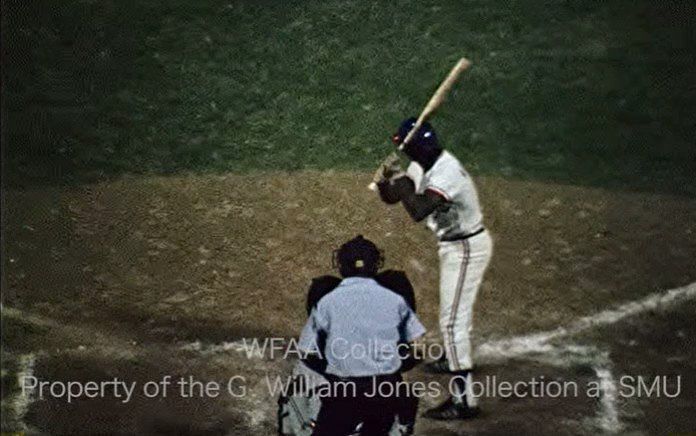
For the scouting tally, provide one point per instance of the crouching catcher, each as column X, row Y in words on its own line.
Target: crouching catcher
column 356, row 328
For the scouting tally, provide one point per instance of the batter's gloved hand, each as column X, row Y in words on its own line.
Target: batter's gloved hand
column 390, row 166
column 390, row 170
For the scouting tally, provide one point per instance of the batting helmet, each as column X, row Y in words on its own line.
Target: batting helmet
column 358, row 257
column 424, row 137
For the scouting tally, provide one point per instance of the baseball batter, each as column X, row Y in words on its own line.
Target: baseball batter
column 437, row 188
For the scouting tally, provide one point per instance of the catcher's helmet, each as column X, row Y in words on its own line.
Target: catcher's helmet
column 424, row 137
column 358, row 257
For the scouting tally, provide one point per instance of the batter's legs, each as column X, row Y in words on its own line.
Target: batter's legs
column 462, row 266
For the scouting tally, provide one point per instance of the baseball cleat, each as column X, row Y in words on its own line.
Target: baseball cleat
column 451, row 410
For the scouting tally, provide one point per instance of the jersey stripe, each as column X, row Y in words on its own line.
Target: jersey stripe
column 439, row 192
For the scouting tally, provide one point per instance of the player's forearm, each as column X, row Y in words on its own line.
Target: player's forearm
column 418, row 206
column 402, row 189
column 388, row 192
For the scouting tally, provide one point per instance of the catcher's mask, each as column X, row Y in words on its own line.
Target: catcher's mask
column 358, row 257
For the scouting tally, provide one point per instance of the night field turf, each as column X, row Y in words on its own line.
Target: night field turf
column 593, row 93
column 176, row 172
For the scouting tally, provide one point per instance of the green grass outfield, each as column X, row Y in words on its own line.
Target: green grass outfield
column 594, row 93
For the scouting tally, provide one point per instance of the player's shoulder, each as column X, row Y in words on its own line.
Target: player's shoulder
column 319, row 288
column 398, row 283
column 448, row 161
column 450, row 169
column 447, row 175
column 389, row 286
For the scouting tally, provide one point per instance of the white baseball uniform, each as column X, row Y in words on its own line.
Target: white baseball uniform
column 465, row 249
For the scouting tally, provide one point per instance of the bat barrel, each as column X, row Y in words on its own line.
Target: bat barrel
column 434, row 102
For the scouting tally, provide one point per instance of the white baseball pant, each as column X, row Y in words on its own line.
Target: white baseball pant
column 462, row 265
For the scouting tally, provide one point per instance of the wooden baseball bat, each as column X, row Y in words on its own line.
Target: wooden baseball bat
column 434, row 103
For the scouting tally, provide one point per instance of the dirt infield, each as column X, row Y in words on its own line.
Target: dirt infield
column 115, row 278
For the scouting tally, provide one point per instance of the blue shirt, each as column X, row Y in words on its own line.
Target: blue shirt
column 363, row 324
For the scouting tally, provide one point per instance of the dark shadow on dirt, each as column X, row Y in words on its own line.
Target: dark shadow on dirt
column 149, row 328
column 112, row 414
